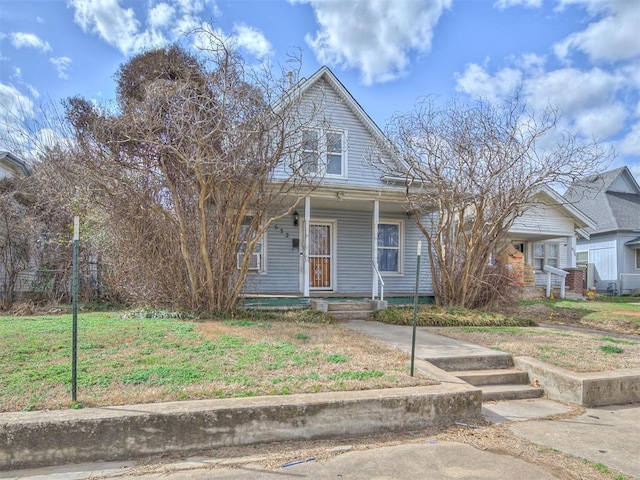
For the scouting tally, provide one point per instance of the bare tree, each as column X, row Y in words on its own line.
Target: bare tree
column 201, row 155
column 471, row 169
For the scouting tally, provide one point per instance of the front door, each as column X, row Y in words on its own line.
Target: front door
column 320, row 257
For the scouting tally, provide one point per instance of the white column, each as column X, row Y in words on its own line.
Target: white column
column 571, row 251
column 307, row 218
column 376, row 220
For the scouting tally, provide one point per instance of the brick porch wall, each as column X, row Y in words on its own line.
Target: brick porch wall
column 575, row 280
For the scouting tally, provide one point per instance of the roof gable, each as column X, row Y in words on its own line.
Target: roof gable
column 324, row 73
column 611, row 198
column 624, row 183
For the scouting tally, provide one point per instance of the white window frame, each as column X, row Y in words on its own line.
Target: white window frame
column 579, row 262
column 322, row 151
column 400, row 248
column 261, row 255
column 637, row 258
column 545, row 258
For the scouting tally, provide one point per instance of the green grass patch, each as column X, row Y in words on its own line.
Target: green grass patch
column 362, row 375
column 434, row 316
column 137, row 357
column 336, row 358
column 618, row 341
column 613, row 349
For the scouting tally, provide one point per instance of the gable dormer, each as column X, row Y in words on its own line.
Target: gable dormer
column 624, row 183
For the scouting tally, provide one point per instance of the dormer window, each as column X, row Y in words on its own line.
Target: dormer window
column 323, row 152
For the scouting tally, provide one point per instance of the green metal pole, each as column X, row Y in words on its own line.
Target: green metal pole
column 415, row 307
column 74, row 348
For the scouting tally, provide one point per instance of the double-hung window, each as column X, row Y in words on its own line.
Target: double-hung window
column 638, row 258
column 545, row 254
column 390, row 247
column 323, row 152
column 256, row 263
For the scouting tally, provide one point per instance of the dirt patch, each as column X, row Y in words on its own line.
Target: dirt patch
column 576, row 317
column 578, row 351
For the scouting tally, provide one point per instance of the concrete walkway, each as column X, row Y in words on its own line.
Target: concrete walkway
column 607, row 435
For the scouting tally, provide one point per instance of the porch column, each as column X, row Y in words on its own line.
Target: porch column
column 307, row 219
column 376, row 220
column 571, row 251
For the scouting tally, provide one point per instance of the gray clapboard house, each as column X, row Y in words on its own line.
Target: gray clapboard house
column 352, row 236
column 612, row 253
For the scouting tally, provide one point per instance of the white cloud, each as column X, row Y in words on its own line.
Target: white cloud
column 572, row 90
column 62, row 65
column 119, row 26
column 477, row 82
column 376, row 37
column 502, row 4
column 15, row 109
column 114, row 24
column 612, row 36
column 252, row 40
column 601, row 122
column 630, row 144
column 29, row 40
column 161, row 15
column 588, row 101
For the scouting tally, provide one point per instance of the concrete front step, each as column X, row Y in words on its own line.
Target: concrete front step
column 510, row 392
column 480, row 378
column 488, row 361
column 350, row 306
column 350, row 314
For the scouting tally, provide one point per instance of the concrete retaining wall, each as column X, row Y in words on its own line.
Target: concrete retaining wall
column 596, row 389
column 35, row 439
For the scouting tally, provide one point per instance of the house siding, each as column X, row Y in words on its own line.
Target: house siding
column 353, row 257
column 336, row 115
column 543, row 220
column 603, row 255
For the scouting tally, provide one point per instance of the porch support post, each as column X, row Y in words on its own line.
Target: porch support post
column 571, row 251
column 307, row 217
column 376, row 220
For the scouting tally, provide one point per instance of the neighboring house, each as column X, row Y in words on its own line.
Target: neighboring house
column 328, row 245
column 612, row 252
column 12, row 166
column 547, row 234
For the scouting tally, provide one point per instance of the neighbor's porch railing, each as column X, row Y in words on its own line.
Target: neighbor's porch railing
column 559, row 273
column 380, row 282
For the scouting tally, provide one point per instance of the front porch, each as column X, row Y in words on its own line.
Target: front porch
column 350, row 243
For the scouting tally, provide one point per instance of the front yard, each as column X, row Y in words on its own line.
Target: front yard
column 125, row 359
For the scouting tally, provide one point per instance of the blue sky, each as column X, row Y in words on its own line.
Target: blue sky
column 582, row 56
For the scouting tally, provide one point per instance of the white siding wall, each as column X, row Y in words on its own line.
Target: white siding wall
column 602, row 253
column 353, row 258
column 543, row 219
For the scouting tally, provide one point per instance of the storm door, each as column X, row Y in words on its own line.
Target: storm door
column 320, row 256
